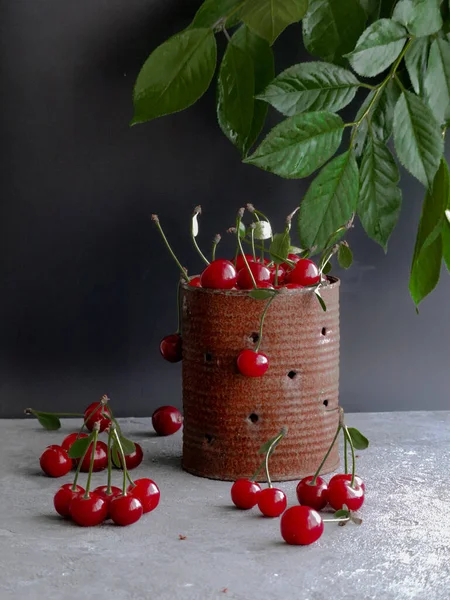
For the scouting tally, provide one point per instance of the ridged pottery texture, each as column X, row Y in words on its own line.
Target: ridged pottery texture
column 227, row 416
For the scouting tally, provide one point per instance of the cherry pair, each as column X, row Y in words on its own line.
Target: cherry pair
column 246, row 494
column 316, row 493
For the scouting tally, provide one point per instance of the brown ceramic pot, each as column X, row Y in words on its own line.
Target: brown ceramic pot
column 227, row 416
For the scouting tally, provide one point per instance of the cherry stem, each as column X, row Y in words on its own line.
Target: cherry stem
column 345, row 455
column 108, row 488
column 216, row 240
column 238, row 225
column 317, row 473
column 91, row 464
column 258, row 470
column 338, row 520
column 268, row 453
column 124, row 462
column 197, row 211
column 261, row 323
column 289, row 262
column 352, row 449
column 253, row 244
column 155, row 219
column 77, row 472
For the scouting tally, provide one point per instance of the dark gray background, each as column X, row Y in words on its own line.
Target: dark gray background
column 87, row 287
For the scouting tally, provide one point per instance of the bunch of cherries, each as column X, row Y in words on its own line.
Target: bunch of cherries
column 249, row 272
column 303, row 525
column 124, row 505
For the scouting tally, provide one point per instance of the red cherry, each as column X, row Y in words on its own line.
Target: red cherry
column 314, row 496
column 64, row 497
column 287, row 277
column 240, row 263
column 252, row 364
column 147, row 492
column 340, row 492
column 134, row 459
column 167, row 420
column 90, row 511
column 55, row 461
column 95, row 413
column 281, row 273
column 125, row 510
column 102, row 490
column 301, row 526
column 293, row 258
column 305, row 272
column 244, row 493
column 272, row 502
column 100, row 458
column 195, row 282
column 265, row 285
column 219, row 275
column 170, row 347
column 260, row 273
column 70, row 439
column 348, row 477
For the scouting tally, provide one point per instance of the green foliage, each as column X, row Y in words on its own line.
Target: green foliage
column 359, row 441
column 279, row 248
column 345, row 256
column 407, row 40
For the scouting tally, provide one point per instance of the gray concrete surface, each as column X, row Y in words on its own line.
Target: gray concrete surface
column 401, row 551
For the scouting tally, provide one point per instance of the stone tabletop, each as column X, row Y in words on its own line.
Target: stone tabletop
column 196, row 546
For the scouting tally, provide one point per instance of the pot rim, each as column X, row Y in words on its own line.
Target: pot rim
column 331, row 283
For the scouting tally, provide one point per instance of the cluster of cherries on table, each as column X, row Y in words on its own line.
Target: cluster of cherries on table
column 123, row 506
column 223, row 274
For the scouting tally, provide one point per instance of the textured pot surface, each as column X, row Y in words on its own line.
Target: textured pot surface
column 227, row 416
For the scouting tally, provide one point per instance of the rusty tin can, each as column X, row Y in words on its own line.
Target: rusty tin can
column 227, row 416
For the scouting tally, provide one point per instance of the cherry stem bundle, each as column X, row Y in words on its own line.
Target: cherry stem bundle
column 91, row 464
column 238, row 228
column 108, row 488
column 122, row 457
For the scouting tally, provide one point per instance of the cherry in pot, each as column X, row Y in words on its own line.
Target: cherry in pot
column 125, row 510
column 301, row 526
column 195, row 282
column 251, row 363
column 272, row 502
column 55, row 461
column 261, row 274
column 90, row 511
column 313, row 495
column 64, row 497
column 97, row 412
column 170, row 348
column 245, row 493
column 305, row 272
column 147, row 492
column 167, row 420
column 219, row 275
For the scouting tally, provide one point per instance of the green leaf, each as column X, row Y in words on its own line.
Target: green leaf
column 359, row 441
column 49, row 422
column 345, row 256
column 437, row 78
column 378, row 47
column 175, row 75
column 127, row 445
column 372, row 9
column 420, row 17
column 331, row 28
column 79, row 447
column 115, row 456
column 265, row 447
column 446, row 243
column 327, row 268
column 212, row 11
column 279, row 248
column 311, row 86
column 330, row 201
column 263, row 72
column 379, row 195
column 242, row 230
column 417, row 137
column 268, row 18
column 342, row 514
column 235, row 90
column 427, row 259
column 320, row 299
column 262, row 294
column 416, row 62
column 299, row 145
column 263, row 230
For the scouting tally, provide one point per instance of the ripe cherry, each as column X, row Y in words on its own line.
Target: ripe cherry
column 70, row 439
column 102, row 491
column 195, row 282
column 170, row 347
column 305, row 272
column 134, row 459
column 90, row 511
column 55, row 461
column 348, row 477
column 97, row 412
column 125, row 510
column 261, row 275
column 64, row 497
column 281, row 273
column 252, row 364
column 147, row 492
column 167, row 420
column 219, row 275
column 314, row 496
column 293, row 258
column 341, row 492
column 272, row 502
column 240, row 263
column 301, row 526
column 100, row 458
column 244, row 493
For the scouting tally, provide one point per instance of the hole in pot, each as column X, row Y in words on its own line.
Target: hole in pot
column 325, row 402
column 208, row 357
column 254, row 337
column 292, row 374
column 253, row 418
column 209, row 439
column 324, row 331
